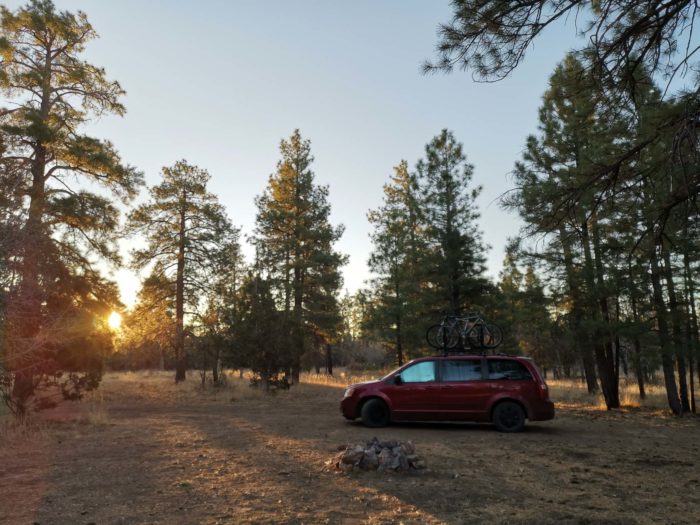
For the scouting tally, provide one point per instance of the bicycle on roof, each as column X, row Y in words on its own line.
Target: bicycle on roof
column 469, row 330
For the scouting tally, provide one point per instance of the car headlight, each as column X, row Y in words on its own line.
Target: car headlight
column 348, row 391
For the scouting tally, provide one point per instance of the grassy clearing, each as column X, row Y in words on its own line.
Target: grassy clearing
column 572, row 393
column 159, row 386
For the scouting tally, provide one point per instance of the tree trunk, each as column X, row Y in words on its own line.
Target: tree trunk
column 676, row 327
column 25, row 315
column 692, row 327
column 603, row 352
column 329, row 360
column 674, row 401
column 638, row 368
column 577, row 315
column 180, row 360
column 399, row 342
column 215, row 364
column 638, row 365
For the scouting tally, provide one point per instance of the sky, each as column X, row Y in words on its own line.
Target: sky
column 220, row 83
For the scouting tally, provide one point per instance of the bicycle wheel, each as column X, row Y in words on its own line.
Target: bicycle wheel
column 492, row 336
column 475, row 337
column 440, row 337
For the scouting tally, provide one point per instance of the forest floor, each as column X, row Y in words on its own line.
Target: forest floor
column 141, row 450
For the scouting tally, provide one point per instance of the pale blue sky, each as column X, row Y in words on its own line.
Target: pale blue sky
column 219, row 83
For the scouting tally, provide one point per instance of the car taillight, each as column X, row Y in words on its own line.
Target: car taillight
column 544, row 391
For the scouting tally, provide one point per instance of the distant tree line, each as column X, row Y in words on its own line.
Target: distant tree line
column 599, row 284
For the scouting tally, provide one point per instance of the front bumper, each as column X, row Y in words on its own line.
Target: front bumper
column 348, row 407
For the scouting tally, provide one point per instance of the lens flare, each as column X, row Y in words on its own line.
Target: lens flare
column 114, row 320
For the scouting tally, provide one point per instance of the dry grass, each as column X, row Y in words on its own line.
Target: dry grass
column 572, row 393
column 143, row 449
column 15, row 432
column 160, row 386
column 342, row 377
column 157, row 385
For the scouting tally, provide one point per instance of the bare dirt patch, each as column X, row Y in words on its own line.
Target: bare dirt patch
column 145, row 451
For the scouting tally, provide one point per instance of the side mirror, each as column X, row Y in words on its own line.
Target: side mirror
column 398, row 380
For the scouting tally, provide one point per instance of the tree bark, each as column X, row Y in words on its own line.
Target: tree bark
column 180, row 360
column 677, row 337
column 674, row 401
column 580, row 337
column 399, row 325
column 638, row 365
column 27, row 310
column 603, row 352
column 692, row 326
column 329, row 360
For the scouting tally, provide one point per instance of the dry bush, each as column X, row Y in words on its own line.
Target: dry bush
column 14, row 432
column 94, row 411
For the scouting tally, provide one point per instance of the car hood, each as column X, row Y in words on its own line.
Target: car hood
column 364, row 383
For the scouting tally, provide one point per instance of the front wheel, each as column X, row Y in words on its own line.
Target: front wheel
column 491, row 336
column 509, row 417
column 375, row 413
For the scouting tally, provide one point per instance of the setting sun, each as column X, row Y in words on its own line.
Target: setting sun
column 114, row 320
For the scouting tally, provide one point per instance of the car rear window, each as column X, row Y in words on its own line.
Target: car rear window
column 508, row 369
column 461, row 370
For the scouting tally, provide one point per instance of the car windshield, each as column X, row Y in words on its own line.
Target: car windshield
column 392, row 372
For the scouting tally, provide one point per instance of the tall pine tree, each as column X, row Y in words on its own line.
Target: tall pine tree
column 66, row 230
column 185, row 229
column 456, row 252
column 295, row 241
column 398, row 250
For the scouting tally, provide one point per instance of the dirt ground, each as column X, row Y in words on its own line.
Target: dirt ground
column 144, row 451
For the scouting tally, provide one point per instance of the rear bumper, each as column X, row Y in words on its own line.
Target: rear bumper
column 542, row 411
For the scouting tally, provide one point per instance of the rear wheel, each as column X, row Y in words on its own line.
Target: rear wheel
column 440, row 336
column 375, row 413
column 492, row 336
column 509, row 417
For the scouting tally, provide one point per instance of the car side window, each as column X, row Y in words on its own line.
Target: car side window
column 508, row 369
column 423, row 372
column 461, row 370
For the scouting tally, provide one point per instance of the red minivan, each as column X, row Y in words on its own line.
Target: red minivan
column 503, row 389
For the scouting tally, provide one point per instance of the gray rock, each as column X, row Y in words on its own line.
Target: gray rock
column 383, row 456
column 353, row 455
column 403, row 462
column 369, row 461
column 408, row 447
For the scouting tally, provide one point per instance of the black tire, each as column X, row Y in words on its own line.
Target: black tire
column 375, row 413
column 475, row 337
column 440, row 337
column 492, row 336
column 509, row 416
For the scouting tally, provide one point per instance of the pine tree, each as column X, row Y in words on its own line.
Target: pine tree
column 398, row 250
column 185, row 229
column 574, row 137
column 65, row 230
column 258, row 336
column 146, row 339
column 455, row 264
column 295, row 245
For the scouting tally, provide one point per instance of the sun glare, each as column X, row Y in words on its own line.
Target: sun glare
column 114, row 320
